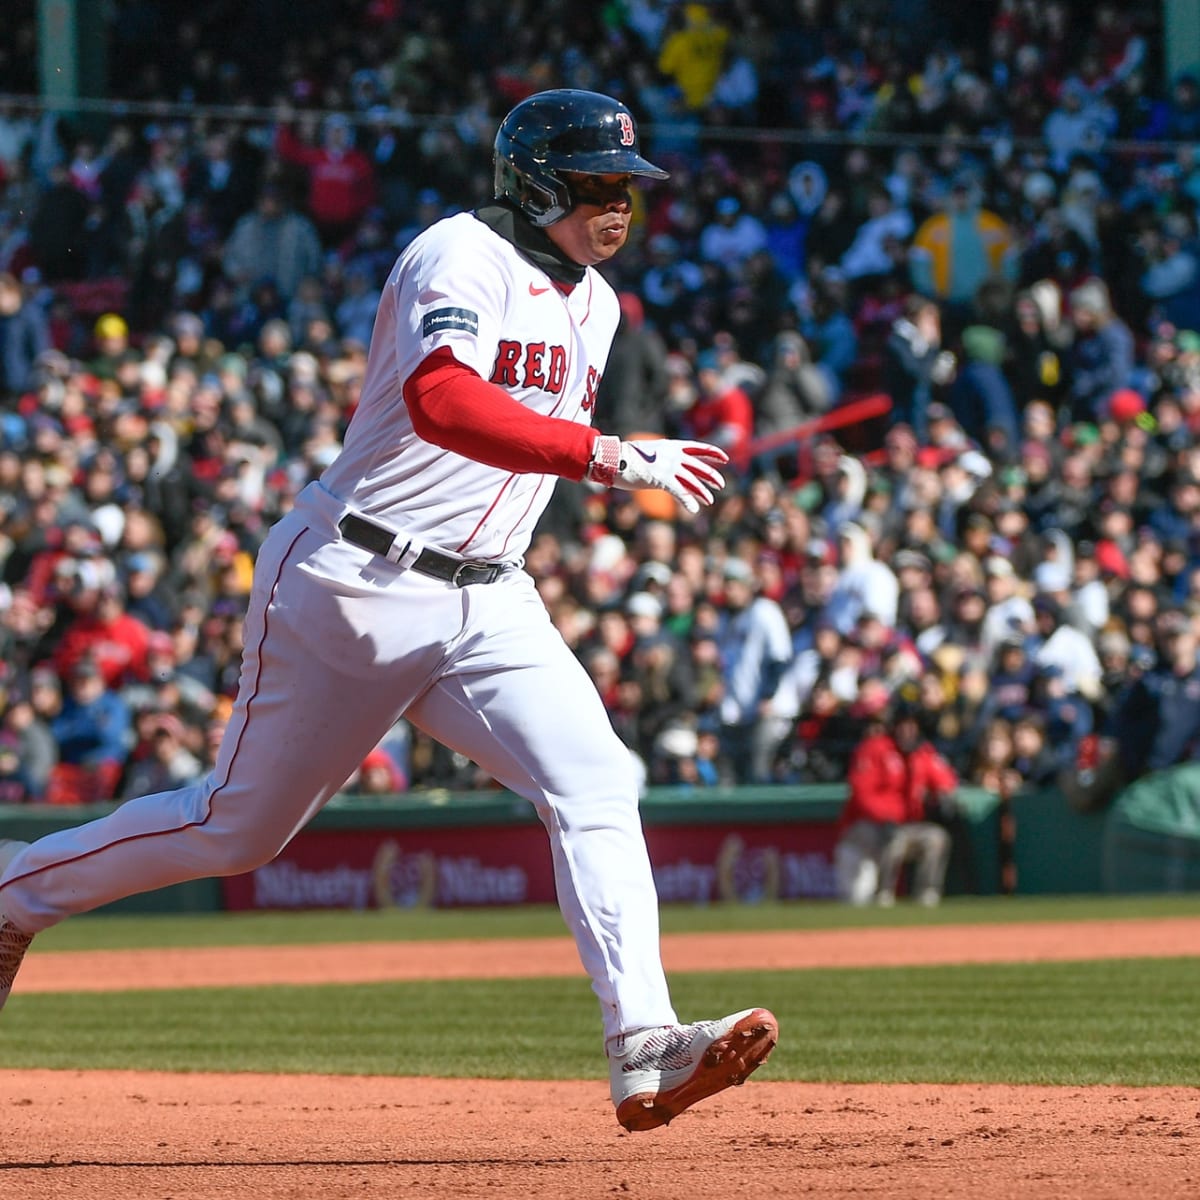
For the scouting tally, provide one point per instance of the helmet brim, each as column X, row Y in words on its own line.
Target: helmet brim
column 611, row 162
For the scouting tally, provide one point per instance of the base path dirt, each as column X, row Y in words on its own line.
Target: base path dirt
column 157, row 1136
column 117, row 1136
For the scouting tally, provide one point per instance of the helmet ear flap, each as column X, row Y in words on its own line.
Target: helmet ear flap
column 539, row 193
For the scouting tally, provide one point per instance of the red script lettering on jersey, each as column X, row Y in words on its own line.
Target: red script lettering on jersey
column 590, row 388
column 535, row 365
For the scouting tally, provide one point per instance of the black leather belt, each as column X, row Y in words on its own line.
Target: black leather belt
column 461, row 572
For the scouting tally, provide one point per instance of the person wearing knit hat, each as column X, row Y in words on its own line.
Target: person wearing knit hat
column 1082, row 434
column 111, row 334
column 1101, row 357
column 379, row 775
column 1187, row 341
column 981, row 396
column 982, row 343
column 111, row 327
column 1126, row 405
column 1111, row 560
column 1038, row 461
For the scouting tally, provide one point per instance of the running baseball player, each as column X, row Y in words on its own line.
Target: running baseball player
column 395, row 587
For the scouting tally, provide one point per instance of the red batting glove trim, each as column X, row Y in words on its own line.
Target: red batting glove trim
column 606, row 461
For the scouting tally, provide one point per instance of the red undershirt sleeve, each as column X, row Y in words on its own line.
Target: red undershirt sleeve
column 452, row 407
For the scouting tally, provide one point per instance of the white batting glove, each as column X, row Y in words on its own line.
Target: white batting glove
column 687, row 470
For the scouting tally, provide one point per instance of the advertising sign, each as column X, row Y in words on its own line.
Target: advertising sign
column 473, row 867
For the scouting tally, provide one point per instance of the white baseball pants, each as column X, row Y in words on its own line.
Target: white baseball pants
column 338, row 644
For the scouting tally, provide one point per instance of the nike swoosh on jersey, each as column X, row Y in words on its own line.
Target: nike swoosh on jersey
column 537, row 291
column 648, row 457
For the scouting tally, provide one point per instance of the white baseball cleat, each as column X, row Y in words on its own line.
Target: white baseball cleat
column 657, row 1073
column 13, row 943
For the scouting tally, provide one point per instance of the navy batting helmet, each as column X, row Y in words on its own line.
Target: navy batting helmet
column 563, row 130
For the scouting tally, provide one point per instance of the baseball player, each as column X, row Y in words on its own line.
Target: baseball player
column 395, row 587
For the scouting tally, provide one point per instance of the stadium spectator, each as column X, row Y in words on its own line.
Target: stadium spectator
column 32, row 744
column 634, row 386
column 732, row 238
column 980, row 397
column 992, row 765
column 111, row 334
column 721, row 412
column 864, row 584
column 896, row 779
column 355, row 312
column 92, row 733
column 167, row 764
column 377, row 775
column 1033, row 364
column 1061, row 646
column 15, row 786
column 272, row 242
column 24, row 336
column 1183, row 109
column 1104, row 378
column 1156, row 724
column 1101, row 358
column 832, row 339
column 1079, row 124
column 915, row 364
column 1170, row 281
column 221, row 175
column 1032, row 759
column 871, row 252
column 755, row 647
column 693, row 52
column 98, row 629
column 341, row 178
column 794, row 390
column 58, row 232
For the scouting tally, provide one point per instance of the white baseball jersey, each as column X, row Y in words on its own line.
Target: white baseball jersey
column 462, row 286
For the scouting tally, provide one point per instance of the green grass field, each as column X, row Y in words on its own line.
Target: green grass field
column 267, row 929
column 1119, row 1022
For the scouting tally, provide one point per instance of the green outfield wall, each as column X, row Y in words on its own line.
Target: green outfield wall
column 717, row 845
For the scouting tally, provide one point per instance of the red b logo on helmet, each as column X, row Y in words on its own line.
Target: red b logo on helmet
column 626, row 123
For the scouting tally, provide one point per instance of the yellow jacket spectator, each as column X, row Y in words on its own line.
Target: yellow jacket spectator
column 694, row 54
column 956, row 250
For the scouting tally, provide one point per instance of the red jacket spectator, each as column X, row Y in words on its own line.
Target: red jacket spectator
column 341, row 180
column 721, row 414
column 889, row 787
column 116, row 642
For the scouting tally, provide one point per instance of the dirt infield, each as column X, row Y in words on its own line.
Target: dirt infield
column 123, row 1134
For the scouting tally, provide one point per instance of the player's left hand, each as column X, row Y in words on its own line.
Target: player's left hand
column 685, row 469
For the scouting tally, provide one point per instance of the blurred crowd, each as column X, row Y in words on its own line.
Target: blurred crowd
column 984, row 214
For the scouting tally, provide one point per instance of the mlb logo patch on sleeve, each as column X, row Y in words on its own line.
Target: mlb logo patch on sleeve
column 441, row 319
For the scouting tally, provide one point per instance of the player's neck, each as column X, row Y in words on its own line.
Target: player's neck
column 530, row 242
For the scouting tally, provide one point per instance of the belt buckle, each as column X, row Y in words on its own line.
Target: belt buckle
column 465, row 565
column 490, row 571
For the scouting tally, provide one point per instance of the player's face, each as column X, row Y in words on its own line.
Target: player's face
column 598, row 224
